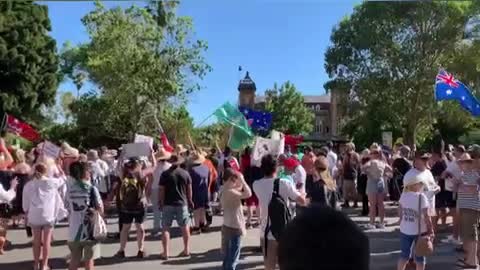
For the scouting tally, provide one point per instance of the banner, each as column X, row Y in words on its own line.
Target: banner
column 136, row 150
column 264, row 147
column 15, row 126
column 143, row 138
column 50, row 149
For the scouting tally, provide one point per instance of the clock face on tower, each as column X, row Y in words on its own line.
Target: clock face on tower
column 246, row 99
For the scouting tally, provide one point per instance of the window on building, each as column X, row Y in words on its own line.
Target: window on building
column 318, row 125
column 317, row 108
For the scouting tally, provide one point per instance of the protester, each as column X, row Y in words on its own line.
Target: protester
column 6, row 196
column 362, row 182
column 350, row 167
column 264, row 189
column 132, row 205
column 200, row 175
column 175, row 200
column 413, row 210
column 400, row 166
column 252, row 201
column 99, row 170
column 235, row 189
column 308, row 163
column 83, row 199
column 375, row 170
column 332, row 157
column 6, row 159
column 22, row 172
column 468, row 203
column 444, row 199
column 153, row 188
column 323, row 187
column 338, row 243
column 43, row 206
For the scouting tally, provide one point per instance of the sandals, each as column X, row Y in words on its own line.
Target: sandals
column 183, row 255
column 463, row 265
column 163, row 257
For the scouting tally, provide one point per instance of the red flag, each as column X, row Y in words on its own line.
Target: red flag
column 165, row 143
column 21, row 129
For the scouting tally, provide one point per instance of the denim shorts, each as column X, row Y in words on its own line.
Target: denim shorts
column 178, row 213
column 407, row 244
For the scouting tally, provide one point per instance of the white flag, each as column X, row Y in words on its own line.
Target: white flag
column 264, row 147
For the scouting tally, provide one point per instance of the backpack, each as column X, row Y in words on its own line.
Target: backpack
column 278, row 214
column 131, row 194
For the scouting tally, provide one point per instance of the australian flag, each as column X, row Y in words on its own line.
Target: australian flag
column 449, row 88
column 258, row 120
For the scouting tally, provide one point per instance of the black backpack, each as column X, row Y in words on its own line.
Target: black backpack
column 131, row 193
column 278, row 214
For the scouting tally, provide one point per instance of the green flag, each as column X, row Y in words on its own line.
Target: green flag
column 240, row 135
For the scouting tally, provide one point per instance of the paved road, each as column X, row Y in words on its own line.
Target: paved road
column 205, row 253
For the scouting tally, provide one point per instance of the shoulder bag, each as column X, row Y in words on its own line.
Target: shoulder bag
column 424, row 244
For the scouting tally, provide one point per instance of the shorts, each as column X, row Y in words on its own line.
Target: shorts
column 41, row 227
column 84, row 250
column 129, row 218
column 444, row 199
column 407, row 244
column 252, row 201
column 469, row 222
column 375, row 186
column 349, row 190
column 177, row 213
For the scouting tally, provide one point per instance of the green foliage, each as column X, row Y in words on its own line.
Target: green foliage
column 144, row 62
column 211, row 134
column 28, row 60
column 393, row 52
column 290, row 115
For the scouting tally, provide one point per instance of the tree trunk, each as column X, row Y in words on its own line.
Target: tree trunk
column 411, row 134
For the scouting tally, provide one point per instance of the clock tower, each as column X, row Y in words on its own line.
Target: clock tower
column 246, row 89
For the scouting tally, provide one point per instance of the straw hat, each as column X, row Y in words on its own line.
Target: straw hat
column 69, row 151
column 180, row 149
column 465, row 158
column 163, row 154
column 197, row 158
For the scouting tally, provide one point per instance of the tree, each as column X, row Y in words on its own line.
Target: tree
column 290, row 115
column 139, row 64
column 392, row 53
column 28, row 60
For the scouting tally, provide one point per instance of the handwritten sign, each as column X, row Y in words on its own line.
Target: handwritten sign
column 51, row 150
column 139, row 138
column 140, row 149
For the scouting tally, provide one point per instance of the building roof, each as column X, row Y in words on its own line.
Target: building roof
column 247, row 83
column 308, row 99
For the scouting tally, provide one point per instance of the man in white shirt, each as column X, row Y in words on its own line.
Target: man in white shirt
column 331, row 157
column 100, row 170
column 263, row 189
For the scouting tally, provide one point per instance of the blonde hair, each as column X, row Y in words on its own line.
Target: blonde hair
column 409, row 188
column 19, row 156
column 321, row 167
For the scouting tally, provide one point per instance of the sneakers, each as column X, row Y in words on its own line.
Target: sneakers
column 120, row 254
column 370, row 227
column 141, row 254
column 380, row 226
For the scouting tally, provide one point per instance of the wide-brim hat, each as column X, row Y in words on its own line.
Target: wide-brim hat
column 197, row 158
column 162, row 154
column 465, row 158
column 180, row 149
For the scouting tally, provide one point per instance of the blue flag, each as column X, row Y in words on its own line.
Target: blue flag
column 258, row 120
column 449, row 88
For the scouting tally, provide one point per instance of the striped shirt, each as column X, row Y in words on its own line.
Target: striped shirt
column 468, row 191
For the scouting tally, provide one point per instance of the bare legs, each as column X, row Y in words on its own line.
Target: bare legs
column 376, row 202
column 381, row 207
column 42, row 238
column 140, row 236
column 199, row 217
column 124, row 236
column 166, row 241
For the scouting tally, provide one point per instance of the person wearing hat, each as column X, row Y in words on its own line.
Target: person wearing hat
column 200, row 175
column 175, row 198
column 162, row 156
column 468, row 203
column 410, row 213
column 375, row 170
column 298, row 176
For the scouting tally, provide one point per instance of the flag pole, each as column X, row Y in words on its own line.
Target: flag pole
column 204, row 120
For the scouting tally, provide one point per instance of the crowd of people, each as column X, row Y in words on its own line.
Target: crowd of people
column 290, row 197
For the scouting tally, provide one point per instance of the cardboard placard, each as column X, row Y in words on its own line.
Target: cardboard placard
column 140, row 149
column 51, row 150
column 139, row 138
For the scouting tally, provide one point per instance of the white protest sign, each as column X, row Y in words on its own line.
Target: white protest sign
column 51, row 150
column 265, row 146
column 139, row 138
column 141, row 149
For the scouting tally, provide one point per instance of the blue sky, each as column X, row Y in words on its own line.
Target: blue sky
column 275, row 40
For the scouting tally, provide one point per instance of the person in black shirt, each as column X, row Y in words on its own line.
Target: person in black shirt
column 322, row 188
column 175, row 199
column 444, row 199
column 400, row 166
